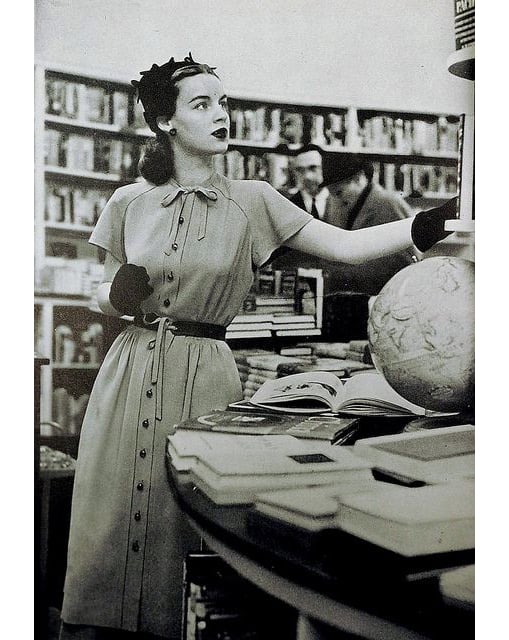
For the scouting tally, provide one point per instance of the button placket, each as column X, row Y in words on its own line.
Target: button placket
column 141, row 486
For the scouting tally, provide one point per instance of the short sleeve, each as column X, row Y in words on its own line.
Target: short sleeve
column 276, row 220
column 108, row 231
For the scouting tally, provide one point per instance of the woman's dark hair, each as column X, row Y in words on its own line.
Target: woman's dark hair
column 158, row 91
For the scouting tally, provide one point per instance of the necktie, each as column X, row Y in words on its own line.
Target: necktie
column 314, row 210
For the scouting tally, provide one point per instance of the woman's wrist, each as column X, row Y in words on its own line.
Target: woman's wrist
column 103, row 300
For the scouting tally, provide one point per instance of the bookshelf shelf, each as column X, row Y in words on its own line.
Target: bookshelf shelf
column 54, row 171
column 81, row 366
column 71, row 124
column 66, row 228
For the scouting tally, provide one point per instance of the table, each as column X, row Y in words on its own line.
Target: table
column 333, row 580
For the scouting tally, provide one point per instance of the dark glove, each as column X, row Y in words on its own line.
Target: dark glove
column 129, row 288
column 428, row 226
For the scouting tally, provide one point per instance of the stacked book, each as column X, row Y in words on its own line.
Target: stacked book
column 231, row 456
column 250, row 325
column 265, row 367
column 241, row 360
column 359, row 350
column 427, row 507
column 342, row 367
column 351, row 356
column 264, row 324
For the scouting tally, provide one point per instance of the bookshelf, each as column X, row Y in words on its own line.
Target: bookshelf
column 89, row 131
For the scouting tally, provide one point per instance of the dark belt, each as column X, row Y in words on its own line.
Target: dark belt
column 182, row 327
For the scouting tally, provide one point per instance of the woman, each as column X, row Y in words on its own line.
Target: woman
column 181, row 247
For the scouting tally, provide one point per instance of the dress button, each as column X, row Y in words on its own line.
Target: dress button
column 143, row 453
column 149, row 393
column 174, row 246
column 136, row 546
column 166, row 303
column 170, row 276
column 137, row 516
column 181, row 220
column 145, row 423
column 139, row 486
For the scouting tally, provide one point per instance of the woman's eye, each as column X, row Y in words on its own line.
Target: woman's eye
column 201, row 105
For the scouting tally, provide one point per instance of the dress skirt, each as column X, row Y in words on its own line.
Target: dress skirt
column 128, row 537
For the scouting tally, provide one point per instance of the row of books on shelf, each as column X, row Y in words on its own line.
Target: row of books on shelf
column 410, row 179
column 345, row 129
column 68, row 411
column 90, row 103
column 74, row 205
column 79, row 277
column 409, row 135
column 411, row 493
column 277, row 169
column 76, row 346
column 274, row 125
column 99, row 154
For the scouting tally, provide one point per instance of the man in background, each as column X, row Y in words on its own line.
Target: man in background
column 340, row 190
column 355, row 202
column 312, row 195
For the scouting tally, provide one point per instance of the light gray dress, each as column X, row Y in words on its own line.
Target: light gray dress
column 128, row 537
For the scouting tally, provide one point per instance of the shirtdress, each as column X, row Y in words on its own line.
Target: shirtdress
column 199, row 245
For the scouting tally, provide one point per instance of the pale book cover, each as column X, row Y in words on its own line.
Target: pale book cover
column 185, row 446
column 237, row 419
column 411, row 521
column 434, row 456
column 236, row 478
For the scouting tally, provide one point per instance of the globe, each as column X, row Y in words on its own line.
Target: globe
column 421, row 333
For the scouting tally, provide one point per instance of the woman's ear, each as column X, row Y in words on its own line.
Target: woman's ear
column 164, row 123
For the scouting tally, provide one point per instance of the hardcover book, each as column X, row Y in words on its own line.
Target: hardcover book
column 433, row 456
column 410, row 521
column 256, row 422
column 236, row 478
column 366, row 394
column 185, row 446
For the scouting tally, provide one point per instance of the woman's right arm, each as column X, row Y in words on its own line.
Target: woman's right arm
column 111, row 266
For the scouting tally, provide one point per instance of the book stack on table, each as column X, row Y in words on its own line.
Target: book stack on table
column 423, row 506
column 257, row 368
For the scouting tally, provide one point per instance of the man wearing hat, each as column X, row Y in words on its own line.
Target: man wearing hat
column 354, row 202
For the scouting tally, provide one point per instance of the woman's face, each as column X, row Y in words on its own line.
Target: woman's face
column 201, row 118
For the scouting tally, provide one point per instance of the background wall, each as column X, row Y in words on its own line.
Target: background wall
column 369, row 53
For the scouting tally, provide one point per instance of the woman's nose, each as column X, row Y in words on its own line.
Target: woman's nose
column 220, row 115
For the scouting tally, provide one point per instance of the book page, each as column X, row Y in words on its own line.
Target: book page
column 372, row 389
column 310, row 389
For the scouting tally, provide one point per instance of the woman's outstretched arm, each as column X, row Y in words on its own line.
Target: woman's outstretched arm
column 353, row 247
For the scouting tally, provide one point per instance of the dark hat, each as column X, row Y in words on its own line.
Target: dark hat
column 337, row 168
column 154, row 87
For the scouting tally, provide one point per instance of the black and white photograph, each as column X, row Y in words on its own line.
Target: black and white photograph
column 254, row 319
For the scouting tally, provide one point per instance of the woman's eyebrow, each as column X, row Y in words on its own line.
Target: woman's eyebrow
column 223, row 97
column 199, row 98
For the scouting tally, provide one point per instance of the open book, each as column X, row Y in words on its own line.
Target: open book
column 365, row 394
